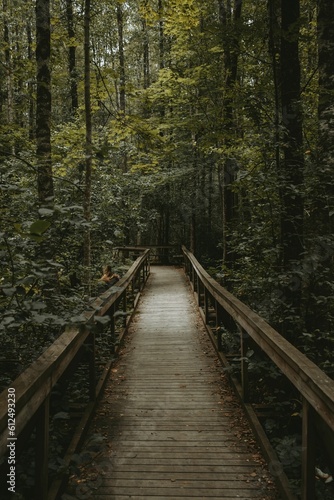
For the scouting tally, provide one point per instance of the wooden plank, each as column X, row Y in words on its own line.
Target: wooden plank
column 209, row 479
column 209, row 484
column 182, row 466
column 174, row 492
column 163, row 497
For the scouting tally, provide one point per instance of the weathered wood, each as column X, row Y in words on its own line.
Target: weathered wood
column 170, row 431
column 42, row 448
column 308, row 453
column 310, row 381
column 33, row 387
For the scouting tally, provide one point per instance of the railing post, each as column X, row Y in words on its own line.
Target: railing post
column 308, row 452
column 244, row 364
column 206, row 306
column 42, row 450
column 92, row 367
column 218, row 310
column 125, row 305
column 199, row 291
column 142, row 274
column 112, row 329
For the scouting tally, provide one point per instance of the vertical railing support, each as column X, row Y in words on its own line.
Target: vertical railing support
column 218, row 310
column 206, row 306
column 112, row 329
column 92, row 367
column 308, row 452
column 244, row 364
column 125, row 305
column 42, row 450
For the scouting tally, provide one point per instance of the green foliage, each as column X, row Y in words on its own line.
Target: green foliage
column 162, row 168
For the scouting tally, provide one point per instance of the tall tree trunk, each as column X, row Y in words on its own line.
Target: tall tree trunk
column 229, row 21
column 43, row 102
column 8, row 63
column 88, row 145
column 292, row 172
column 274, row 50
column 122, row 81
column 146, row 56
column 31, row 112
column 326, row 112
column 161, row 36
column 319, row 317
column 122, row 75
column 72, row 69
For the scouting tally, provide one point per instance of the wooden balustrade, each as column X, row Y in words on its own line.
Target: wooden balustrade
column 160, row 254
column 34, row 386
column 314, row 386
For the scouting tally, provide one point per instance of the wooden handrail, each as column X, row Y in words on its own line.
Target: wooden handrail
column 33, row 386
column 312, row 383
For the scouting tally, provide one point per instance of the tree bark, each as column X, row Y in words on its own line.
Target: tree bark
column 274, row 50
column 292, row 172
column 122, row 102
column 229, row 17
column 72, row 68
column 8, row 65
column 31, row 115
column 325, row 202
column 161, row 36
column 43, row 102
column 320, row 304
column 88, row 145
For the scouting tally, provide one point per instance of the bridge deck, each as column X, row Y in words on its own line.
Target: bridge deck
column 172, row 427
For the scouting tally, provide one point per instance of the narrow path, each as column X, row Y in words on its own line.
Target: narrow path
column 172, row 427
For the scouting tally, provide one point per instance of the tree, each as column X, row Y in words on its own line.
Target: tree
column 325, row 24
column 88, row 145
column 43, row 102
column 72, row 56
column 320, row 262
column 292, row 166
column 229, row 16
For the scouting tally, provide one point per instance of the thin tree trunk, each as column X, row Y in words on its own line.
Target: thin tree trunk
column 8, row 66
column 72, row 57
column 146, row 56
column 161, row 36
column 122, row 80
column 88, row 146
column 325, row 169
column 274, row 50
column 43, row 102
column 319, row 317
column 122, row 75
column 292, row 172
column 31, row 116
column 229, row 21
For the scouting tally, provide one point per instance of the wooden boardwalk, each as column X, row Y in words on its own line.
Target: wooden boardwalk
column 172, row 428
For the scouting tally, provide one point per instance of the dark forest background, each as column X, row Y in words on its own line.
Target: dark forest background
column 208, row 124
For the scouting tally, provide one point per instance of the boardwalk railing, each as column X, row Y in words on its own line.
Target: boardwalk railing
column 25, row 406
column 314, row 386
column 160, row 254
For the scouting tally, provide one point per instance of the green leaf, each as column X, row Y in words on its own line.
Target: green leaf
column 9, row 291
column 45, row 211
column 39, row 227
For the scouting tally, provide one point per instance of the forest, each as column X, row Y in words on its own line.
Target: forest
column 155, row 122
